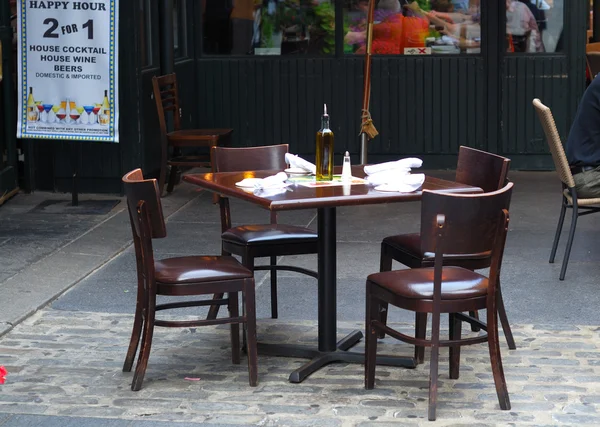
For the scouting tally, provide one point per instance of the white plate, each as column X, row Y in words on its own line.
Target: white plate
column 392, row 189
column 248, row 182
column 296, row 171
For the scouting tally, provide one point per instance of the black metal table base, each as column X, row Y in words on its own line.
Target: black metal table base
column 322, row 358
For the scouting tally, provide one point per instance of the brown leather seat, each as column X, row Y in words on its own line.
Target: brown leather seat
column 180, row 277
column 474, row 167
column 450, row 223
column 166, row 95
column 265, row 234
column 198, row 269
column 261, row 240
column 417, row 283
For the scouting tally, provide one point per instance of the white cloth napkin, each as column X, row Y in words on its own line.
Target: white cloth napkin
column 390, row 175
column 298, row 162
column 270, row 182
column 404, row 183
column 408, row 163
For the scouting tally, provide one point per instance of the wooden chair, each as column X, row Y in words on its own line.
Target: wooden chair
column 167, row 100
column 450, row 224
column 181, row 277
column 260, row 240
column 474, row 167
column 570, row 199
column 593, row 63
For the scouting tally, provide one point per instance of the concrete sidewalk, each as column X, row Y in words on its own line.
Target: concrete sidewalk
column 64, row 358
column 44, row 254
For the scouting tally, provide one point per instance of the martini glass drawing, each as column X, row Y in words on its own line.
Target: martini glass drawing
column 89, row 109
column 96, row 110
column 47, row 108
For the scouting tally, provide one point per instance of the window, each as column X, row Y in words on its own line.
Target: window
column 268, row 27
column 179, row 28
column 534, row 26
column 414, row 27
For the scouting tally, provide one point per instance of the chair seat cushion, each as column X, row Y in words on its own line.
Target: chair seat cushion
column 265, row 234
column 417, row 283
column 410, row 244
column 198, row 269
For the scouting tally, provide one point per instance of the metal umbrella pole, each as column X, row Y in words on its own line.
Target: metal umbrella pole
column 367, row 129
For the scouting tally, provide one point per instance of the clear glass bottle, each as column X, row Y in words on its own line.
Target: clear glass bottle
column 324, row 155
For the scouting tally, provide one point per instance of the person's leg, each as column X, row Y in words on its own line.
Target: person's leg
column 587, row 183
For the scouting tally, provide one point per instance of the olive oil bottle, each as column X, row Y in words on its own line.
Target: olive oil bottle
column 324, row 155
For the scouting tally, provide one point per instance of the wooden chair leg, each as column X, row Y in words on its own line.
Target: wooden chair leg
column 372, row 313
column 455, row 326
column 142, row 364
column 563, row 269
column 172, row 179
column 561, row 220
column 496, row 358
column 213, row 311
column 234, row 311
column 250, row 329
column 136, row 330
column 273, row 274
column 434, row 364
column 474, row 315
column 504, row 320
column 163, row 166
column 420, row 332
column 385, row 264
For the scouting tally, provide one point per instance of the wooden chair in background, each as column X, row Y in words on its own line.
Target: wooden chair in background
column 166, row 96
column 569, row 197
column 450, row 224
column 476, row 168
column 253, row 241
column 181, row 277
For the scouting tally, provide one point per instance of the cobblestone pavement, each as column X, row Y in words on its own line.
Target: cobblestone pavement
column 68, row 364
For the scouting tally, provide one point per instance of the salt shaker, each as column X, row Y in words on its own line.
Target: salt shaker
column 346, row 171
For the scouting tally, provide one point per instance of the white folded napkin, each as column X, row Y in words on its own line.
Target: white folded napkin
column 270, row 182
column 404, row 184
column 270, row 192
column 409, row 162
column 390, row 175
column 298, row 162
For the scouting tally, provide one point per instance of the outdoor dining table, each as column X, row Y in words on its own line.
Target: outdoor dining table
column 325, row 199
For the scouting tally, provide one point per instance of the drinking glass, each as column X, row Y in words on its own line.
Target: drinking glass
column 89, row 109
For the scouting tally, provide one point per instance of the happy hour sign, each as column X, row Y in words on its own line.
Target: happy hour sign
column 68, row 70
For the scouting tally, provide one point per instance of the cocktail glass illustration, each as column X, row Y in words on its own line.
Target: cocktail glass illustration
column 74, row 113
column 60, row 111
column 46, row 116
column 91, row 118
column 96, row 110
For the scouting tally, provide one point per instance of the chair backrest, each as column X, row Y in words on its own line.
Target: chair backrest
column 224, row 159
column 266, row 157
column 592, row 47
column 166, row 97
column 471, row 220
column 481, row 169
column 137, row 190
column 556, row 148
column 593, row 63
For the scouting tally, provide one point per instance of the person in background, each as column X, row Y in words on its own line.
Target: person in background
column 521, row 28
column 583, row 143
column 242, row 26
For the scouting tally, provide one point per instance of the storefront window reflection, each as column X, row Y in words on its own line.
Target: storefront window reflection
column 415, row 27
column 269, row 27
column 534, row 26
